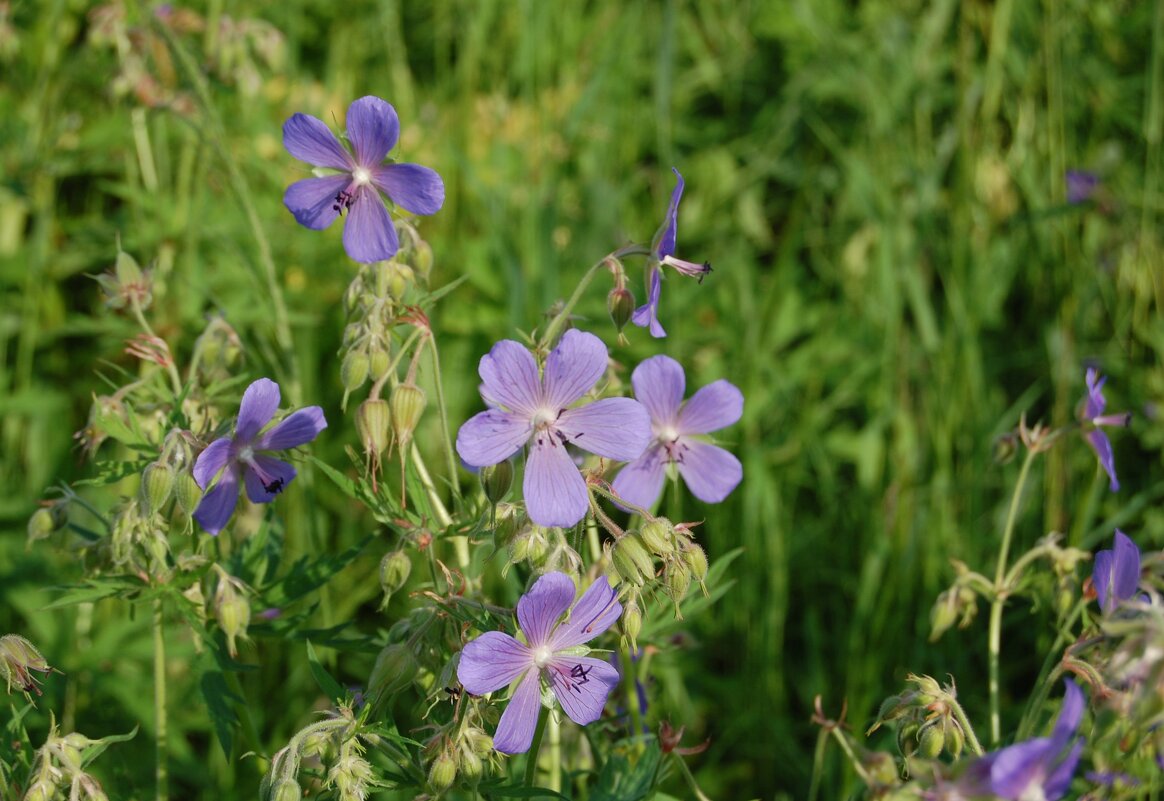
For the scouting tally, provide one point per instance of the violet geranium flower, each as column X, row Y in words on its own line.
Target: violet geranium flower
column 1116, row 574
column 373, row 129
column 244, row 456
column 580, row 683
column 662, row 253
column 528, row 409
column 1094, row 418
column 710, row 472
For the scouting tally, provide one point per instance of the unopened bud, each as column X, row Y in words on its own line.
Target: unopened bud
column 632, row 621
column 394, row 670
column 400, row 277
column 677, row 577
column 40, row 790
column 378, row 364
column 17, row 657
column 496, row 480
column 47, row 520
column 621, row 304
column 395, row 568
column 407, row 401
column 187, row 492
column 232, row 610
column 373, row 420
column 477, row 740
column 286, row 789
column 443, row 772
column 907, row 737
column 696, row 559
column 157, row 485
column 931, row 740
column 656, row 536
column 943, row 614
column 632, row 561
column 469, row 765
column 955, row 740
column 354, row 370
column 422, row 257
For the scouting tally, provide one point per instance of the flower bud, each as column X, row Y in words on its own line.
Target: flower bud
column 943, row 614
column 316, row 744
column 400, row 277
column 47, row 520
column 187, row 492
column 907, row 737
column 407, row 401
column 354, row 370
column 378, row 364
column 286, row 789
column 40, row 790
column 632, row 621
column 17, row 657
column 496, row 480
column 621, row 304
column 632, row 561
column 469, row 765
column 677, row 577
column 232, row 610
column 931, row 739
column 373, row 420
column 478, row 741
column 696, row 559
column 157, row 484
column 657, row 536
column 443, row 772
column 395, row 568
column 394, row 670
column 955, row 740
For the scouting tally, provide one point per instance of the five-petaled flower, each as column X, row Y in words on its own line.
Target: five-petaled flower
column 528, row 409
column 580, row 683
column 1116, row 574
column 662, row 254
column 710, row 472
column 373, row 129
column 1093, row 418
column 242, row 456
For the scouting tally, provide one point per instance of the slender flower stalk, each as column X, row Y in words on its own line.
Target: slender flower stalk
column 161, row 767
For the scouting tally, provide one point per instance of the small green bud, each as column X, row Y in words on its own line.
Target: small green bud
column 931, row 740
column 286, row 789
column 17, row 657
column 317, row 744
column 632, row 621
column 677, row 577
column 621, row 305
column 394, row 670
column 378, row 364
column 955, row 740
column 696, row 559
column 539, row 547
column 632, row 561
column 395, row 568
column 496, row 480
column 408, row 402
column 157, row 485
column 400, row 278
column 944, row 613
column 47, row 520
column 443, row 772
column 126, row 268
column 231, row 609
column 657, row 535
column 881, row 767
column 469, row 765
column 40, row 790
column 507, row 521
column 907, row 737
column 187, row 492
column 477, row 740
column 519, row 545
column 373, row 421
column 354, row 370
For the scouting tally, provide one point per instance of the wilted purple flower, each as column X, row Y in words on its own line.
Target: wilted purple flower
column 373, row 129
column 243, row 455
column 710, row 472
column 528, row 409
column 662, row 253
column 1117, row 572
column 1093, row 418
column 1081, row 185
column 581, row 683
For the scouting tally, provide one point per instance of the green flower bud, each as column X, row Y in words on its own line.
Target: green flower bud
column 394, row 670
column 395, row 568
column 469, row 765
column 496, row 480
column 657, row 536
column 187, row 492
column 881, row 767
column 126, row 268
column 40, row 790
column 943, row 614
column 632, row 621
column 17, row 657
column 286, row 789
column 632, row 561
column 506, row 525
column 400, row 278
column 157, row 485
column 422, row 258
column 477, row 740
column 955, row 739
column 907, row 737
column 621, row 305
column 696, row 559
column 47, row 520
column 373, row 421
column 316, row 744
column 378, row 364
column 677, row 577
column 231, row 609
column 538, row 547
column 354, row 370
column 408, row 402
column 931, row 740
column 443, row 772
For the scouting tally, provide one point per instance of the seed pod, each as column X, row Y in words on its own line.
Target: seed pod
column 354, row 370
column 632, row 621
column 696, row 560
column 373, row 421
column 632, row 561
column 621, row 305
column 187, row 492
column 286, row 789
column 443, row 772
column 407, row 402
column 657, row 536
column 395, row 568
column 378, row 363
column 496, row 480
column 157, row 485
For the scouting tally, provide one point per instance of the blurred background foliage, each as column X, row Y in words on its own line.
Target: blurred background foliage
column 879, row 186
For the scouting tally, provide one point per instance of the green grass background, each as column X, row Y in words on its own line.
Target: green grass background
column 879, row 186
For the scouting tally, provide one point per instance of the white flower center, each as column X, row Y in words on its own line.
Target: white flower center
column 361, row 176
column 667, row 434
column 543, row 418
column 542, row 656
column 247, row 455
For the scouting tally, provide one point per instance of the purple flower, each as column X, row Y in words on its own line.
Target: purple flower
column 1117, row 572
column 662, row 253
column 242, row 456
column 373, row 128
column 528, row 409
column 581, row 683
column 710, row 472
column 1081, row 185
column 1094, row 417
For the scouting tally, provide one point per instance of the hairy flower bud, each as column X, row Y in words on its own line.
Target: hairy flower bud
column 394, row 670
column 955, row 739
column 17, row 657
column 632, row 561
column 286, row 789
column 157, row 485
column 187, row 492
column 395, row 568
column 621, row 305
column 469, row 765
column 47, row 520
column 40, row 790
column 657, row 536
column 408, row 402
column 632, row 621
column 443, row 772
column 696, row 559
column 677, row 577
column 931, row 739
column 478, row 741
column 373, row 421
column 378, row 363
column 496, row 480
column 354, row 370
column 231, row 609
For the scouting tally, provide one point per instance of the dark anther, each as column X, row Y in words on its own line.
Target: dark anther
column 274, row 487
column 706, row 270
column 581, row 672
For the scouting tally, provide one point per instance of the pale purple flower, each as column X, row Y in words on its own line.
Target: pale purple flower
column 1117, row 572
column 663, row 254
column 246, row 457
column 1094, row 418
column 1081, row 185
column 710, row 472
column 373, row 129
column 533, row 410
column 549, row 653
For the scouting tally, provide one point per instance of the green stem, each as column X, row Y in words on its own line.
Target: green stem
column 531, row 761
column 628, row 685
column 686, row 771
column 160, row 769
column 967, row 729
column 446, row 432
column 1043, row 685
column 171, row 368
column 555, row 754
column 559, row 321
column 822, row 741
column 460, row 543
column 839, row 736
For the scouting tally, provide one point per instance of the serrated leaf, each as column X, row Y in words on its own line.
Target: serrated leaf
column 219, row 703
column 307, row 575
column 325, row 680
column 620, row 780
column 518, row 791
column 97, row 589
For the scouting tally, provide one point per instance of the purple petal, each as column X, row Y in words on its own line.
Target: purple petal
column 308, row 139
column 1095, row 400
column 491, row 437
column 1016, row 768
column 573, row 367
column 539, row 610
column 510, row 376
column 259, row 404
column 516, row 728
column 1126, row 568
column 492, row 661
column 659, row 385
column 597, row 610
column 313, row 202
column 1081, row 185
column 647, row 315
column 1101, row 580
column 713, row 407
column 216, row 506
column 266, row 477
column 411, row 186
column 1056, row 784
column 297, row 429
column 666, row 235
column 617, row 428
column 1071, row 713
column 369, row 234
column 555, row 493
column 710, row 472
column 1102, row 447
column 641, row 481
column 373, row 129
column 582, row 684
column 213, row 458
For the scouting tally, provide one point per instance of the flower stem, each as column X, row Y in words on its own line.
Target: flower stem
column 443, row 411
column 818, row 754
column 839, row 736
column 628, row 686
column 555, row 754
column 175, row 379
column 559, row 321
column 531, row 761
column 461, row 544
column 160, row 702
column 967, row 729
column 686, row 771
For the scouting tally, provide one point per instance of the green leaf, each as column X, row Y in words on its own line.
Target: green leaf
column 97, row 747
column 96, row 589
column 220, row 703
column 620, row 780
column 324, row 679
column 518, row 791
column 349, row 487
column 307, row 576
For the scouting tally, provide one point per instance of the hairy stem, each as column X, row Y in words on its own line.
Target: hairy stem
column 559, row 322
column 160, row 769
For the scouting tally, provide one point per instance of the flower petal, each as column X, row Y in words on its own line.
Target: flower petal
column 411, row 186
column 259, row 404
column 373, row 129
column 1059, row 780
column 713, row 407
column 597, row 610
column 510, row 376
column 492, row 436
column 539, row 610
column 665, row 238
column 641, row 481
column 313, row 202
column 213, row 458
column 710, row 472
column 1126, row 567
column 1102, row 447
column 659, row 385
column 515, row 730
column 1071, row 713
column 647, row 315
column 1095, row 400
column 266, row 478
column 582, row 684
column 617, row 428
column 555, row 493
column 216, row 506
column 369, row 234
column 1016, row 768
column 297, row 429
column 492, row 661
column 308, row 139
column 573, row 367
column 1101, row 580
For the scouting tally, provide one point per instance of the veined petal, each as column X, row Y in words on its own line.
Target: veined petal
column 1071, row 713
column 641, row 481
column 573, row 367
column 539, row 610
column 555, row 492
column 1101, row 580
column 510, row 376
column 411, row 186
column 1016, row 768
column 213, row 458
column 492, row 436
column 617, row 428
column 313, row 202
column 597, row 610
column 373, row 129
column 710, row 472
column 1095, row 400
column 665, row 238
column 1125, row 567
column 216, row 506
column 297, row 429
column 308, row 139
column 492, row 661
column 1102, row 447
column 515, row 730
column 1059, row 780
column 659, row 385
column 259, row 404
column 713, row 407
column 266, row 477
column 582, row 685
column 647, row 315
column 369, row 234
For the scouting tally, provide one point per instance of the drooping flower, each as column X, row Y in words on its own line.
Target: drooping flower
column 1117, row 572
column 549, row 653
column 1081, row 185
column 663, row 254
column 1094, row 418
column 373, row 129
column 246, row 456
column 710, row 472
column 526, row 409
